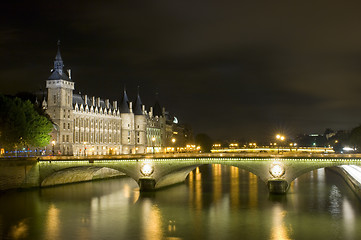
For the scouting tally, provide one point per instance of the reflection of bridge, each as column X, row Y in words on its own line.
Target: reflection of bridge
column 156, row 171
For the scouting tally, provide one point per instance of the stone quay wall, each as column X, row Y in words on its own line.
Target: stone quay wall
column 18, row 173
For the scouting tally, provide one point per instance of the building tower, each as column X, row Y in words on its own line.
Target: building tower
column 140, row 123
column 59, row 105
column 160, row 121
column 127, row 125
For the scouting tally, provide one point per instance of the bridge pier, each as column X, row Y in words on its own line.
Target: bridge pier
column 278, row 186
column 146, row 184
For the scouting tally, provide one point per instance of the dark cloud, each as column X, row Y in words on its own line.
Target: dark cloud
column 233, row 69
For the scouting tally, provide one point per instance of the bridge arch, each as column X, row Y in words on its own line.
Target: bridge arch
column 79, row 174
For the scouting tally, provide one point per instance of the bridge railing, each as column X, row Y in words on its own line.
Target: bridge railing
column 200, row 155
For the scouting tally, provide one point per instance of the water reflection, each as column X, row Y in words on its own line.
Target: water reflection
column 52, row 223
column 234, row 190
column 335, row 201
column 279, row 231
column 253, row 190
column 217, row 182
column 216, row 202
column 152, row 221
column 20, row 230
column 349, row 219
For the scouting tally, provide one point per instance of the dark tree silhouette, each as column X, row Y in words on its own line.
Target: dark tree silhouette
column 204, row 141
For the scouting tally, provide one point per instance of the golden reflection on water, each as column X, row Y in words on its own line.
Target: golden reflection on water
column 234, row 191
column 52, row 223
column 20, row 230
column 195, row 200
column 253, row 190
column 152, row 221
column 279, row 229
column 191, row 186
column 217, row 182
column 198, row 190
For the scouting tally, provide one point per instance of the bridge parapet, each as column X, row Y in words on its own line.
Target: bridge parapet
column 204, row 155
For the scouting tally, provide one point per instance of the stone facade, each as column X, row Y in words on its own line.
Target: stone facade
column 86, row 125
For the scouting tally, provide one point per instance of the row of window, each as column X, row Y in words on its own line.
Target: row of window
column 81, row 137
column 97, row 124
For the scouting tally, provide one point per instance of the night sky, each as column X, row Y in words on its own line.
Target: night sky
column 232, row 69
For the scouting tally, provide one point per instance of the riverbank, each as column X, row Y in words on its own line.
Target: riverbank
column 352, row 176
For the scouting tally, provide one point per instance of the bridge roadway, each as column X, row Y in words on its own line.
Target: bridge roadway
column 154, row 171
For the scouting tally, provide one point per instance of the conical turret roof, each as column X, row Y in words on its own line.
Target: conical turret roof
column 137, row 109
column 157, row 109
column 124, row 104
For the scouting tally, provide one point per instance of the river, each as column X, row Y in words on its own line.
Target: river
column 215, row 202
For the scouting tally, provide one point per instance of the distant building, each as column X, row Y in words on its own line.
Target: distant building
column 89, row 125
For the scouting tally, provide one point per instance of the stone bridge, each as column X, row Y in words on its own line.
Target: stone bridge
column 152, row 172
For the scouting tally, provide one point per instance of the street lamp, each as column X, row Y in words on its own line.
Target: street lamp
column 85, row 148
column 280, row 138
column 173, row 141
column 153, row 141
column 53, row 146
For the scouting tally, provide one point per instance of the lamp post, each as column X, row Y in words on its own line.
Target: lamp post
column 173, row 141
column 85, row 148
column 280, row 138
column 53, row 146
column 153, row 141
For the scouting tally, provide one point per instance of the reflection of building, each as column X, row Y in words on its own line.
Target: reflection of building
column 93, row 126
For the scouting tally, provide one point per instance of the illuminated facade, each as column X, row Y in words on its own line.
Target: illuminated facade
column 93, row 126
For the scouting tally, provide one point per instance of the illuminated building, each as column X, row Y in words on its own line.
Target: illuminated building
column 93, row 126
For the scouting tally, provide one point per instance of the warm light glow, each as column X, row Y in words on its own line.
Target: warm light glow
column 153, row 139
column 20, row 230
column 152, row 221
column 52, row 222
column 280, row 137
column 277, row 170
column 173, row 140
column 53, row 142
column 279, row 230
column 147, row 169
column 233, row 145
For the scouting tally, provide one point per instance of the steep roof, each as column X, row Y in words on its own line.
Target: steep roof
column 157, row 109
column 137, row 108
column 124, row 104
column 55, row 75
column 58, row 72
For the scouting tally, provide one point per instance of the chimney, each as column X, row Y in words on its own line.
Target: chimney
column 115, row 104
column 151, row 112
column 107, row 103
column 93, row 101
column 98, row 101
column 131, row 107
column 85, row 100
column 143, row 109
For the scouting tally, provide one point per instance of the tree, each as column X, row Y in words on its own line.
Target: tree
column 355, row 137
column 204, row 141
column 21, row 125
